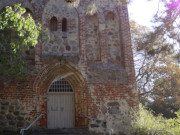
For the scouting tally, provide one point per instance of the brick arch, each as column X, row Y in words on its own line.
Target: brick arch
column 75, row 78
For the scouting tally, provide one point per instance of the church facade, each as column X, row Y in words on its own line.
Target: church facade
column 86, row 66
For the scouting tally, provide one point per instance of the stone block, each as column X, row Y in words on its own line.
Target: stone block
column 15, row 102
column 4, row 108
column 17, row 107
column 74, row 48
column 104, row 109
column 113, row 104
column 2, row 117
column 23, row 113
column 3, row 123
column 110, row 33
column 12, row 122
column 94, row 125
column 11, row 108
column 3, row 102
column 113, row 110
column 16, row 113
column 20, row 124
column 8, row 129
column 10, row 116
column 72, row 43
column 20, row 118
column 3, row 112
column 98, row 121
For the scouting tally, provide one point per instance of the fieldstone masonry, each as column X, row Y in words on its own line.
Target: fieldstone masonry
column 13, row 116
column 61, row 42
column 92, row 38
column 92, row 52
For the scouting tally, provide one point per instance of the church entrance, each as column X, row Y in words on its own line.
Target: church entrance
column 60, row 105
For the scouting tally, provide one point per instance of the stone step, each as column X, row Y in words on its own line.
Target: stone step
column 62, row 132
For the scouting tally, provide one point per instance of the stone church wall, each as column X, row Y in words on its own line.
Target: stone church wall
column 92, row 38
column 94, row 54
column 61, row 42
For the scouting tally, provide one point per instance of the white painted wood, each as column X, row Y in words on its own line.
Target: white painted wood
column 60, row 110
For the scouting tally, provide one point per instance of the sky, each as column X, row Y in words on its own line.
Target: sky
column 142, row 11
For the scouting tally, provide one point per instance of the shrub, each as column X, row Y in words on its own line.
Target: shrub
column 145, row 123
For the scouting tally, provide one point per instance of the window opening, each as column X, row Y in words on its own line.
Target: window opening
column 53, row 24
column 64, row 25
column 60, row 86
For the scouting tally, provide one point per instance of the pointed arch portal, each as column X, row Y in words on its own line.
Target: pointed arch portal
column 66, row 98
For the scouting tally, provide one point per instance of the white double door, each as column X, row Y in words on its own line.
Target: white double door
column 60, row 110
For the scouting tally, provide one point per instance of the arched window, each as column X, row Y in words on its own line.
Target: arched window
column 53, row 24
column 64, row 25
column 60, row 85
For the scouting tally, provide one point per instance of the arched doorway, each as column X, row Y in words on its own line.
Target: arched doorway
column 60, row 105
column 75, row 79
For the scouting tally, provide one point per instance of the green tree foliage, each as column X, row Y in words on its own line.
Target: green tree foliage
column 166, row 89
column 16, row 33
column 147, row 57
column 166, row 28
column 143, row 62
column 157, row 73
column 168, row 20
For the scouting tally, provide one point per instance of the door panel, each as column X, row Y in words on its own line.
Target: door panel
column 60, row 108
